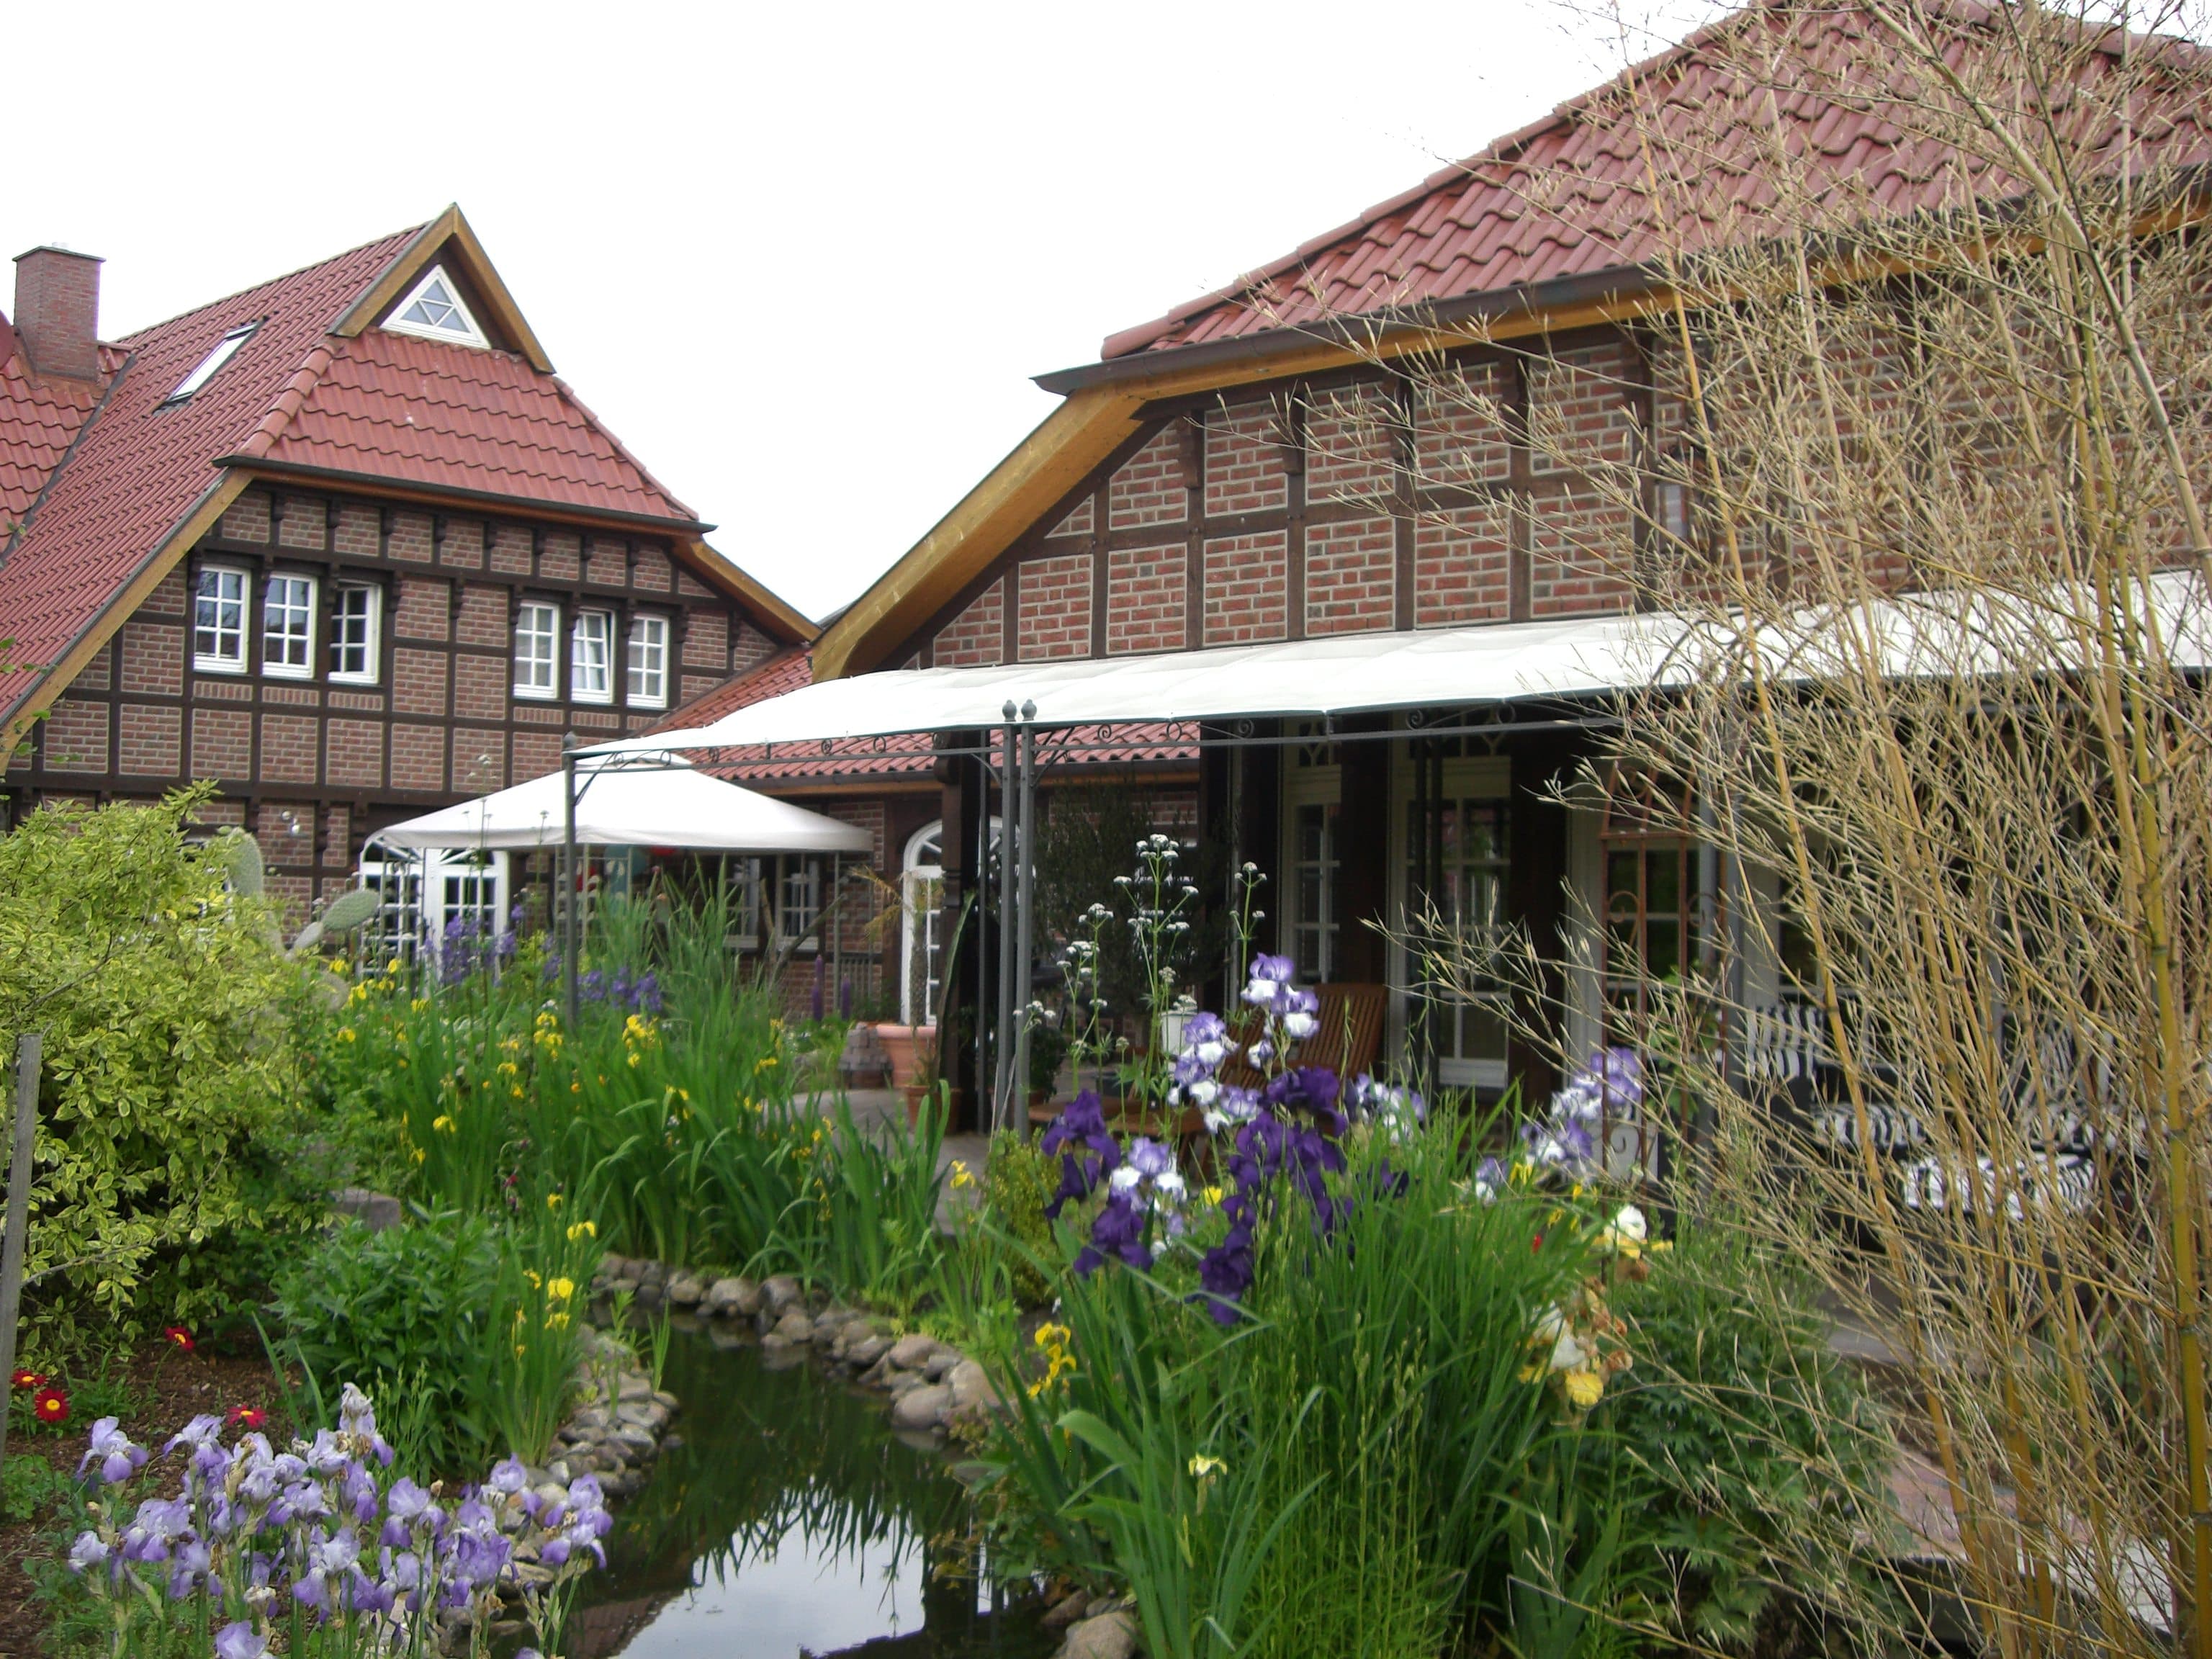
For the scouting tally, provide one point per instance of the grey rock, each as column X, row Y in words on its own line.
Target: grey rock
column 794, row 1327
column 652, row 1273
column 685, row 1291
column 666, row 1401
column 651, row 1416
column 920, row 1408
column 781, row 1291
column 551, row 1492
column 375, row 1210
column 911, row 1353
column 1110, row 1636
column 637, row 1385
column 941, row 1362
column 559, row 1472
column 732, row 1296
column 648, row 1294
column 869, row 1349
column 905, row 1383
column 971, row 1389
column 1065, row 1612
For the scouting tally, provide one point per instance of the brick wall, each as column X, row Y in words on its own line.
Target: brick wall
column 222, row 743
column 76, row 737
column 1582, row 557
column 1351, row 576
column 153, row 658
column 1459, row 430
column 1246, row 587
column 1054, row 619
column 354, row 754
column 289, row 746
column 1462, row 566
column 1147, row 601
column 1148, row 488
column 977, row 636
column 1245, row 470
column 1350, row 447
column 149, row 741
column 706, row 641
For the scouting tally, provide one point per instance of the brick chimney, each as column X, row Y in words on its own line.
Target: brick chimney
column 57, row 312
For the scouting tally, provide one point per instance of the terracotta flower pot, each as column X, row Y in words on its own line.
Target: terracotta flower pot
column 900, row 1042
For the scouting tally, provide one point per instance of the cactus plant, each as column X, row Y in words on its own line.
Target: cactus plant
column 343, row 915
column 241, row 855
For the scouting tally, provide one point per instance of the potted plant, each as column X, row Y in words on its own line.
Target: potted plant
column 922, row 1078
column 1048, row 1046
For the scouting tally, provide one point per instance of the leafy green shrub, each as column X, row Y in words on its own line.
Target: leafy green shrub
column 1019, row 1181
column 28, row 1486
column 404, row 1314
column 175, row 1152
column 470, row 1328
column 1739, row 1430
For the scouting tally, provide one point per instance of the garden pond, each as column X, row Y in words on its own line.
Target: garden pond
column 790, row 1519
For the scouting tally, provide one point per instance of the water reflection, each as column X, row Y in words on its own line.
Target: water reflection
column 791, row 1521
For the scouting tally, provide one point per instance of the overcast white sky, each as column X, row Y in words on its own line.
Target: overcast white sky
column 803, row 259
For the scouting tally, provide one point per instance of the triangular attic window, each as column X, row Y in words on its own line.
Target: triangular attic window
column 436, row 311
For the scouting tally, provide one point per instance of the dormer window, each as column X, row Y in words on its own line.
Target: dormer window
column 436, row 311
column 225, row 349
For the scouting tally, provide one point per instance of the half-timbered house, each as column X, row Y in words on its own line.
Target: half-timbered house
column 343, row 543
column 1263, row 469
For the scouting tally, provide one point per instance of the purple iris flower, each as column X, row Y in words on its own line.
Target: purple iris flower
column 90, row 1550
column 1149, row 1159
column 1119, row 1231
column 1087, row 1151
column 239, row 1641
column 118, row 1458
column 507, row 1477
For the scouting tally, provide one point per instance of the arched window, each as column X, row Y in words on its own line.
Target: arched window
column 921, row 947
column 921, row 889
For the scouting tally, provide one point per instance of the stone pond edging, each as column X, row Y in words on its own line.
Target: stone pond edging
column 934, row 1388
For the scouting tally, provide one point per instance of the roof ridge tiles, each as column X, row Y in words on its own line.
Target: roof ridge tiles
column 140, row 334
column 294, row 393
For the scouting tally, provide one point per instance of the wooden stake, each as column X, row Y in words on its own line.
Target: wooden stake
column 19, row 1209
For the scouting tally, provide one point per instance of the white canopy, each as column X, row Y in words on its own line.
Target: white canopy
column 1428, row 668
column 657, row 800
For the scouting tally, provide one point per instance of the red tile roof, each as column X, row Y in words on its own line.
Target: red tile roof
column 861, row 759
column 1568, row 195
column 449, row 417
column 397, row 410
column 39, row 417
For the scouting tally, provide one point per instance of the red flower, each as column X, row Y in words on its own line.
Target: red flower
column 247, row 1416
column 180, row 1336
column 49, row 1405
column 23, row 1379
column 1537, row 1242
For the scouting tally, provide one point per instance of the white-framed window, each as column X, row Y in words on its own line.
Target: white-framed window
column 591, row 657
column 1312, row 793
column 223, row 350
column 536, row 649
column 1455, row 835
column 436, row 311
column 219, row 621
column 921, row 952
column 798, row 907
column 649, row 662
column 288, row 627
column 355, row 609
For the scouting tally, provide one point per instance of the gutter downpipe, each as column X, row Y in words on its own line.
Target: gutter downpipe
column 1009, row 810
column 571, row 931
column 1024, row 912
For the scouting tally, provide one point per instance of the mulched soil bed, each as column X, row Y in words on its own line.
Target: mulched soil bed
column 171, row 1389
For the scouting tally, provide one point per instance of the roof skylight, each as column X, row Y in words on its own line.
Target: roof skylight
column 436, row 311
column 225, row 349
